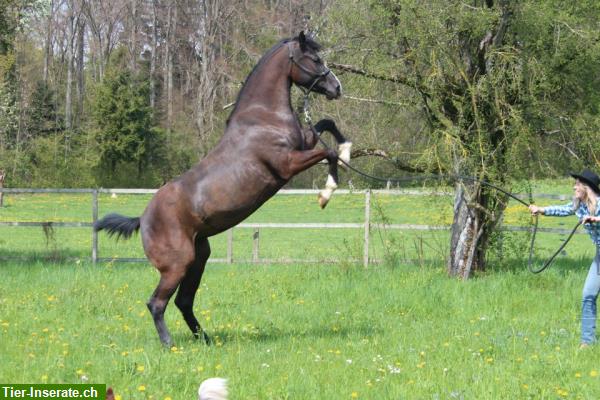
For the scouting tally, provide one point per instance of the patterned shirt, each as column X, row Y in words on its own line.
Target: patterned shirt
column 562, row 211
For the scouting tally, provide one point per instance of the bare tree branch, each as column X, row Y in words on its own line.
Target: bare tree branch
column 398, row 164
column 395, row 79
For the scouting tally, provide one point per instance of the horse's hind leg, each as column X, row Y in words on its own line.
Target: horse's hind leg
column 172, row 266
column 158, row 303
column 189, row 285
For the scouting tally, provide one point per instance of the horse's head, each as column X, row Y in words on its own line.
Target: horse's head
column 309, row 70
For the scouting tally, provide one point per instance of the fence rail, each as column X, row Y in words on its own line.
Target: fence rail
column 367, row 225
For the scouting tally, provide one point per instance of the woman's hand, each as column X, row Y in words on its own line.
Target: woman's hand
column 589, row 219
column 535, row 210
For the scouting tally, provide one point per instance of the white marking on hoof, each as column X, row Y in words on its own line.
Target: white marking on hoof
column 344, row 153
column 326, row 193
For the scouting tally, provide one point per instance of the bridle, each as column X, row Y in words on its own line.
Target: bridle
column 316, row 77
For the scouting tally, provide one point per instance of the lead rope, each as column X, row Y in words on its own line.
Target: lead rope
column 534, row 226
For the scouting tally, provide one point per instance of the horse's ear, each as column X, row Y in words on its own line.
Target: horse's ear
column 302, row 40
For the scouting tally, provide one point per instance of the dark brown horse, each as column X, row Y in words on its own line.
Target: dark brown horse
column 262, row 148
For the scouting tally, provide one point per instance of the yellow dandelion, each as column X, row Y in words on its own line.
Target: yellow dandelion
column 354, row 395
column 168, row 398
column 577, row 374
column 140, row 368
column 594, row 373
column 141, row 388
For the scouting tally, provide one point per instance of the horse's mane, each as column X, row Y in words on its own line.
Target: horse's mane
column 310, row 43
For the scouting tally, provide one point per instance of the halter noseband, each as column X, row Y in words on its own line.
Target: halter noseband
column 314, row 76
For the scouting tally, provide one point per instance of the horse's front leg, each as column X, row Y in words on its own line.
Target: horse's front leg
column 298, row 160
column 301, row 160
column 344, row 145
column 331, row 184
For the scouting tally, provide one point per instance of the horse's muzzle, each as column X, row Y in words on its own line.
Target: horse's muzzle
column 335, row 94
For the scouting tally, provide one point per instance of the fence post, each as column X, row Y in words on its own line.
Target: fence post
column 367, row 227
column 94, row 233
column 255, row 237
column 230, row 246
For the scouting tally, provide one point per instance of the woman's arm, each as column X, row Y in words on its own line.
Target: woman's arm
column 554, row 211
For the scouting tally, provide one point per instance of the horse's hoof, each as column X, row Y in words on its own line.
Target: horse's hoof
column 323, row 201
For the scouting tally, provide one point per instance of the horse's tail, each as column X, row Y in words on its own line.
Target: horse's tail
column 213, row 389
column 119, row 225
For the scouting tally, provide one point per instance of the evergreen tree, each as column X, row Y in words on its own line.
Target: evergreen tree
column 125, row 131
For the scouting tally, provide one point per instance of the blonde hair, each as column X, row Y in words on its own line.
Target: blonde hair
column 591, row 200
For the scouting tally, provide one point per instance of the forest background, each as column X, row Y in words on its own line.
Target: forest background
column 132, row 93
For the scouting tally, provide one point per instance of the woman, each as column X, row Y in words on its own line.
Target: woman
column 585, row 206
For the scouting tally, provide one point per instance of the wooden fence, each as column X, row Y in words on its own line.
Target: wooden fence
column 366, row 225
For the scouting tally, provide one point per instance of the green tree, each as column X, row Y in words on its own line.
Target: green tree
column 42, row 115
column 125, row 132
column 505, row 89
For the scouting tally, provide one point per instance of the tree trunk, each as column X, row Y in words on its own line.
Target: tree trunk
column 153, row 56
column 69, row 85
column 48, row 43
column 168, row 66
column 207, row 87
column 133, row 33
column 80, row 70
column 170, row 75
column 2, row 177
column 467, row 231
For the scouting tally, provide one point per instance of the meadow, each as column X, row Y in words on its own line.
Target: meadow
column 397, row 330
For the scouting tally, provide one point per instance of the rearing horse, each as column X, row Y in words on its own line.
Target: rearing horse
column 262, row 148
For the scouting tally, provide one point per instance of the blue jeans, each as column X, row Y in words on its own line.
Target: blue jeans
column 591, row 288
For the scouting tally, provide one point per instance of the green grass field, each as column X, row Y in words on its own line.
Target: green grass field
column 397, row 330
column 302, row 332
